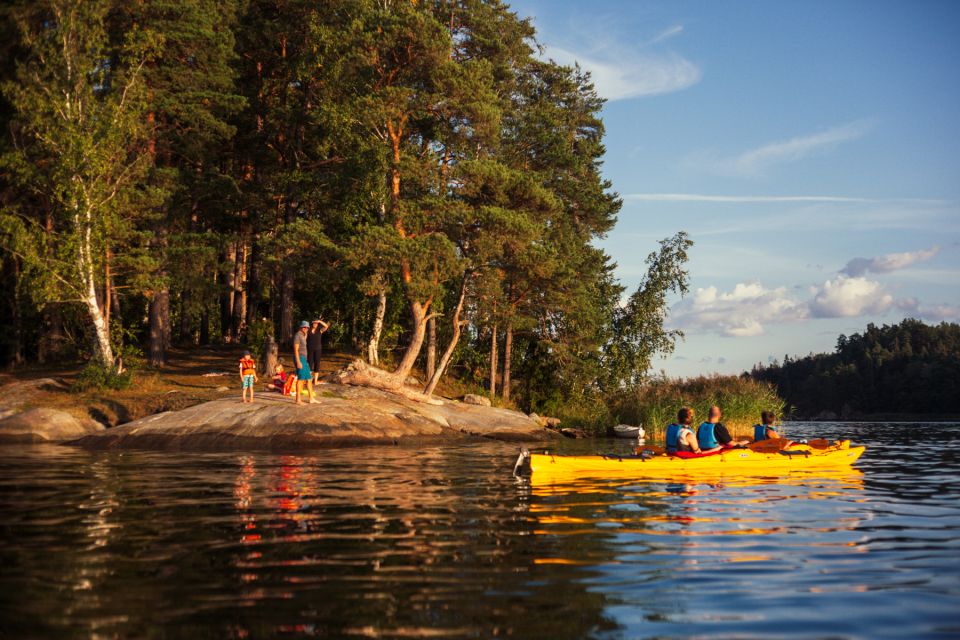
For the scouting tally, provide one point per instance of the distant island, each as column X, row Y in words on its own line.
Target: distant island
column 901, row 371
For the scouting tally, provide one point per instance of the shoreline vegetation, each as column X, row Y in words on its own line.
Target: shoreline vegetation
column 655, row 403
column 415, row 174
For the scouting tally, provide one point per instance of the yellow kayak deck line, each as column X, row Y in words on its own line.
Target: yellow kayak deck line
column 758, row 459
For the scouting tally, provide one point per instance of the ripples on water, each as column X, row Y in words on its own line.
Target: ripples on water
column 442, row 542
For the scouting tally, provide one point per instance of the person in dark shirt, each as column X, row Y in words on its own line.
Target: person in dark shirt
column 315, row 346
column 712, row 435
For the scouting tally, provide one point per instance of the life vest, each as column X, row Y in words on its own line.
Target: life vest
column 673, row 438
column 290, row 386
column 705, row 436
column 759, row 432
column 249, row 366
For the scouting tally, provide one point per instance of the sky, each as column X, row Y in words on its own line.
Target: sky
column 810, row 149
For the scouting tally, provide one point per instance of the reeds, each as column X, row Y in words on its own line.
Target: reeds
column 655, row 404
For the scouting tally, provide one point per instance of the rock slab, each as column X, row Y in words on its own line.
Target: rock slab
column 45, row 425
column 344, row 416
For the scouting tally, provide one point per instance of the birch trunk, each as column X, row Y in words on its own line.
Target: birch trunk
column 101, row 333
column 373, row 347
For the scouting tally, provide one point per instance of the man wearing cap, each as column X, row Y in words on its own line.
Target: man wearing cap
column 300, row 362
column 315, row 346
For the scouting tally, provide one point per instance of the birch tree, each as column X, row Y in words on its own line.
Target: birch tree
column 78, row 143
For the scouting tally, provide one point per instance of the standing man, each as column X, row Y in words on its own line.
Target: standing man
column 301, row 363
column 712, row 435
column 315, row 346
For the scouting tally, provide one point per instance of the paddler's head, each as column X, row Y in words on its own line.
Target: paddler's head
column 714, row 415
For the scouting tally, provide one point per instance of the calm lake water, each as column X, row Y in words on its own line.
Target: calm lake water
column 443, row 542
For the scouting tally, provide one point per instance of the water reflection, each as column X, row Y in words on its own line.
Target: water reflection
column 443, row 542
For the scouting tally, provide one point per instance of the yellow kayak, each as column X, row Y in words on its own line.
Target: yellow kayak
column 758, row 459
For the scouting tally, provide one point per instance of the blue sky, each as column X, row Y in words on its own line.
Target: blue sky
column 810, row 149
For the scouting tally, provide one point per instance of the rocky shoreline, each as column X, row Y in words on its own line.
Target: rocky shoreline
column 344, row 416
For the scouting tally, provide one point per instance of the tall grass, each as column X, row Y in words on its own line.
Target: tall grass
column 655, row 403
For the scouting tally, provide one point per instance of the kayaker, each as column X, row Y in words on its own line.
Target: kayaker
column 300, row 363
column 765, row 430
column 680, row 436
column 712, row 435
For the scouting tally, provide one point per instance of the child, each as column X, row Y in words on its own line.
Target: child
column 279, row 379
column 248, row 374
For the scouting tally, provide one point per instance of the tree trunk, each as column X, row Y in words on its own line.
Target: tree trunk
column 16, row 348
column 507, row 351
column 431, row 347
column 184, row 335
column 239, row 295
column 225, row 277
column 493, row 362
column 107, row 287
column 101, row 333
column 159, row 327
column 454, row 339
column 418, row 314
column 373, row 347
column 286, row 304
column 253, row 283
column 205, row 326
column 270, row 357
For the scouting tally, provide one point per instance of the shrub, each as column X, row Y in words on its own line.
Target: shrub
column 96, row 376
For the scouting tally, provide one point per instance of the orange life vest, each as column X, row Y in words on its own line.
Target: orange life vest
column 249, row 366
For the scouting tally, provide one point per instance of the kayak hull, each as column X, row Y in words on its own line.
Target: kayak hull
column 555, row 468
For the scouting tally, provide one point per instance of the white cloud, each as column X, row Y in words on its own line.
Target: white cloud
column 666, row 34
column 889, row 262
column 756, row 162
column 845, row 297
column 749, row 307
column 739, row 313
column 618, row 75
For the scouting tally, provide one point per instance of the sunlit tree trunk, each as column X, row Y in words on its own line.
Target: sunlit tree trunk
column 431, row 347
column 507, row 351
column 457, row 326
column 373, row 346
column 494, row 352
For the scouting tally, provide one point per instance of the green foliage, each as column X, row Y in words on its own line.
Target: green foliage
column 97, row 377
column 907, row 368
column 257, row 333
column 638, row 327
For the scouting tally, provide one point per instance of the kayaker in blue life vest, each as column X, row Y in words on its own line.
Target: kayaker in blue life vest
column 765, row 430
column 712, row 435
column 680, row 436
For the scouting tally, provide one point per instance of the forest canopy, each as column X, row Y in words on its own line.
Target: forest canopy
column 906, row 368
column 198, row 172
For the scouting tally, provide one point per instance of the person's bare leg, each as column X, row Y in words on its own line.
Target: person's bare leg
column 299, row 390
column 313, row 399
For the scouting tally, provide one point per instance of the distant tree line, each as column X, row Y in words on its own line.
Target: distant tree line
column 211, row 171
column 907, row 368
